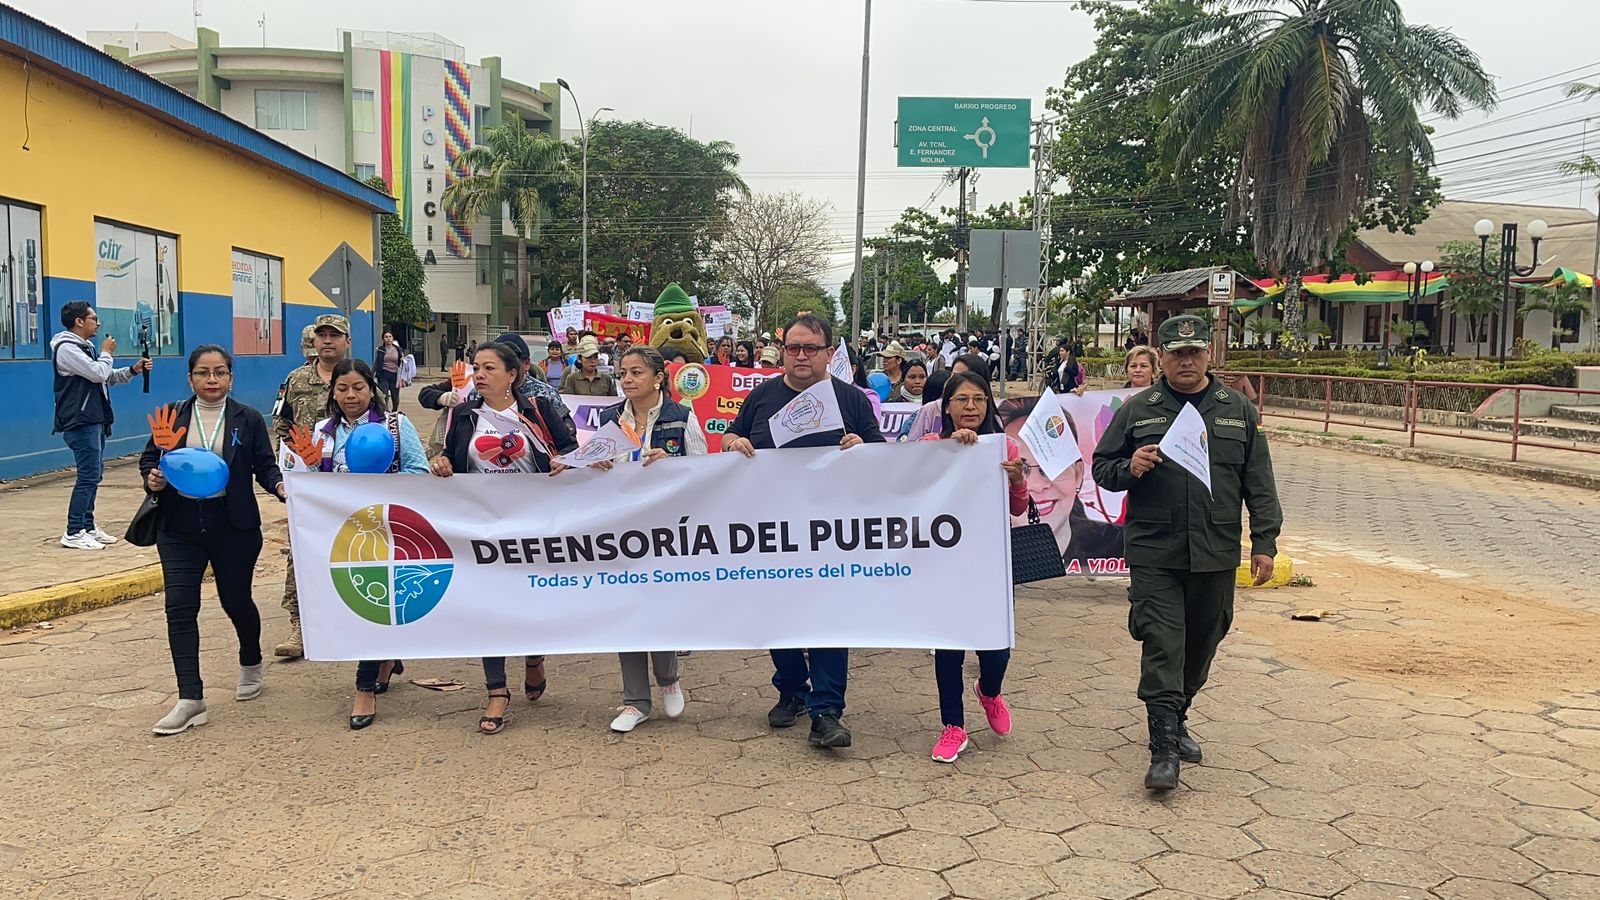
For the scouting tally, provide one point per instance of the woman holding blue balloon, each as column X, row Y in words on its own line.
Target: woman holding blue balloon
column 359, row 436
column 199, row 463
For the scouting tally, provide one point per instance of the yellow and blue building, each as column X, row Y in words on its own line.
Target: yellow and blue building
column 176, row 221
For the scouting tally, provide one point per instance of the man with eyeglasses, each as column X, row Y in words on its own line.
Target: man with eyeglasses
column 83, row 414
column 816, row 687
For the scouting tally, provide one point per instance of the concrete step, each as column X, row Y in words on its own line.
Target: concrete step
column 1557, row 429
column 1589, row 415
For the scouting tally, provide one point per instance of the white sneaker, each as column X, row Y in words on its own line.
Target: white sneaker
column 628, row 719
column 101, row 537
column 81, row 541
column 672, row 699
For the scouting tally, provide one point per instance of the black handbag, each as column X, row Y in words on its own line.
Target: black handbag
column 142, row 527
column 1034, row 554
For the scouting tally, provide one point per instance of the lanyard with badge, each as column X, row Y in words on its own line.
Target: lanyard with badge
column 208, row 441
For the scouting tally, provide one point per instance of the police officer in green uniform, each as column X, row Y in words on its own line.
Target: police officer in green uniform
column 302, row 400
column 1182, row 542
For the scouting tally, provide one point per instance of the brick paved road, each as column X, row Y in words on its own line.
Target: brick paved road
column 1314, row 785
column 1517, row 534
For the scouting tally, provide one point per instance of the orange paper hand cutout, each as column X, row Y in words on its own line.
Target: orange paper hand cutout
column 304, row 446
column 161, row 431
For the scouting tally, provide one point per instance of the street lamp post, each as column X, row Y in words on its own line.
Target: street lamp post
column 1507, row 266
column 1416, row 287
column 583, row 135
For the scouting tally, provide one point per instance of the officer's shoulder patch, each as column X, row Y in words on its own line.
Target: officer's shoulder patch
column 1232, row 423
column 1223, row 395
column 1155, row 397
column 1158, row 420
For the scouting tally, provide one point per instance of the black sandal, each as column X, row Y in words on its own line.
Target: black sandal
column 382, row 685
column 496, row 724
column 535, row 691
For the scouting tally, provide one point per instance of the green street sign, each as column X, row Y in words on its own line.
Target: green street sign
column 947, row 132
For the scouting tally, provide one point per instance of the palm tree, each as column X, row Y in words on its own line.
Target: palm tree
column 1560, row 301
column 1307, row 92
column 516, row 173
column 1587, row 166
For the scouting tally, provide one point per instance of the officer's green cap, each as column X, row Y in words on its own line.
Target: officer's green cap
column 338, row 323
column 1179, row 332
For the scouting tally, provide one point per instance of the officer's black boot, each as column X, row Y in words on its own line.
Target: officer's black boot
column 1163, row 774
column 1188, row 750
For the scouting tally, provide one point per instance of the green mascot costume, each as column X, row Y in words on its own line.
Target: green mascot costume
column 678, row 325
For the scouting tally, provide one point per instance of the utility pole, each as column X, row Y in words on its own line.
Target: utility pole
column 961, row 252
column 877, row 294
column 861, row 174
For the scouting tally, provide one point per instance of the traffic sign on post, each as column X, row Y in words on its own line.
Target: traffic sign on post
column 976, row 132
column 346, row 278
column 1004, row 258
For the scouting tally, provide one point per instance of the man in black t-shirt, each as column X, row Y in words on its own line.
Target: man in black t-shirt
column 817, row 687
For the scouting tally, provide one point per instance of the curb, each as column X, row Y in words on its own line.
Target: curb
column 1434, row 457
column 42, row 604
column 1282, row 572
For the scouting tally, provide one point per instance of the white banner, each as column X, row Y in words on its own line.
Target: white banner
column 886, row 546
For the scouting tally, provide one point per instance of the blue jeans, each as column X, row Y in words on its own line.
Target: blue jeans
column 827, row 672
column 949, row 675
column 88, row 445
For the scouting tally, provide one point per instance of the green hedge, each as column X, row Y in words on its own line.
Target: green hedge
column 1383, row 390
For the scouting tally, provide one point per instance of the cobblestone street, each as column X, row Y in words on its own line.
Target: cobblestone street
column 1315, row 783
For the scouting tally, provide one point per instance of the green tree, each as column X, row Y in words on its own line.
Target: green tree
column 519, row 171
column 1306, row 92
column 658, row 204
column 804, row 296
column 1472, row 295
column 933, row 237
column 1126, row 216
column 1560, row 301
column 909, row 285
column 1261, row 327
column 1587, row 166
column 404, row 278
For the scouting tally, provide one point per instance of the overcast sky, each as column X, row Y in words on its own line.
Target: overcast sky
column 781, row 80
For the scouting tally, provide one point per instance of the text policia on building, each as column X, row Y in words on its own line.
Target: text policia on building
column 869, row 534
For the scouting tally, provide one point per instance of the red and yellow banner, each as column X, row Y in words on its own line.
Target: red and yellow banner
column 1380, row 287
column 715, row 393
column 605, row 326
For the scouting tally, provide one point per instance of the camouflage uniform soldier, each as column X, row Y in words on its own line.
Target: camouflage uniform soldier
column 302, row 401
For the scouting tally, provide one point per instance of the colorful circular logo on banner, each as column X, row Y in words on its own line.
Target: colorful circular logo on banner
column 389, row 565
column 692, row 382
column 1055, row 426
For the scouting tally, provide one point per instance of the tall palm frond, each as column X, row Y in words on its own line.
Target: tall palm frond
column 1306, row 92
column 519, row 170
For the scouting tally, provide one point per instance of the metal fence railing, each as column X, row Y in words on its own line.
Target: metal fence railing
column 1440, row 408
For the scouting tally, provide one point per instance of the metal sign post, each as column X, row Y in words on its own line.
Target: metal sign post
column 1221, row 308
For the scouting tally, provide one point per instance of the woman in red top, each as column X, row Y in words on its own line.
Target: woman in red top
column 966, row 411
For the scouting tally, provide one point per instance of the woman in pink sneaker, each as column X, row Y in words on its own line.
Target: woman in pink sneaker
column 968, row 410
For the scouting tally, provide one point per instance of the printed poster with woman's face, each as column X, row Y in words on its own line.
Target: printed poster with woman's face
column 1086, row 520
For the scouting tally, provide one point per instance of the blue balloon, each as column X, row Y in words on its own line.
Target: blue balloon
column 195, row 472
column 369, row 449
column 880, row 383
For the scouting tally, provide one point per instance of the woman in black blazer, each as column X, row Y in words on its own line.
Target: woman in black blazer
column 223, row 530
column 501, row 432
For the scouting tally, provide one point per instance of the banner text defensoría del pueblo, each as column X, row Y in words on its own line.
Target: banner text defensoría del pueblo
column 876, row 546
